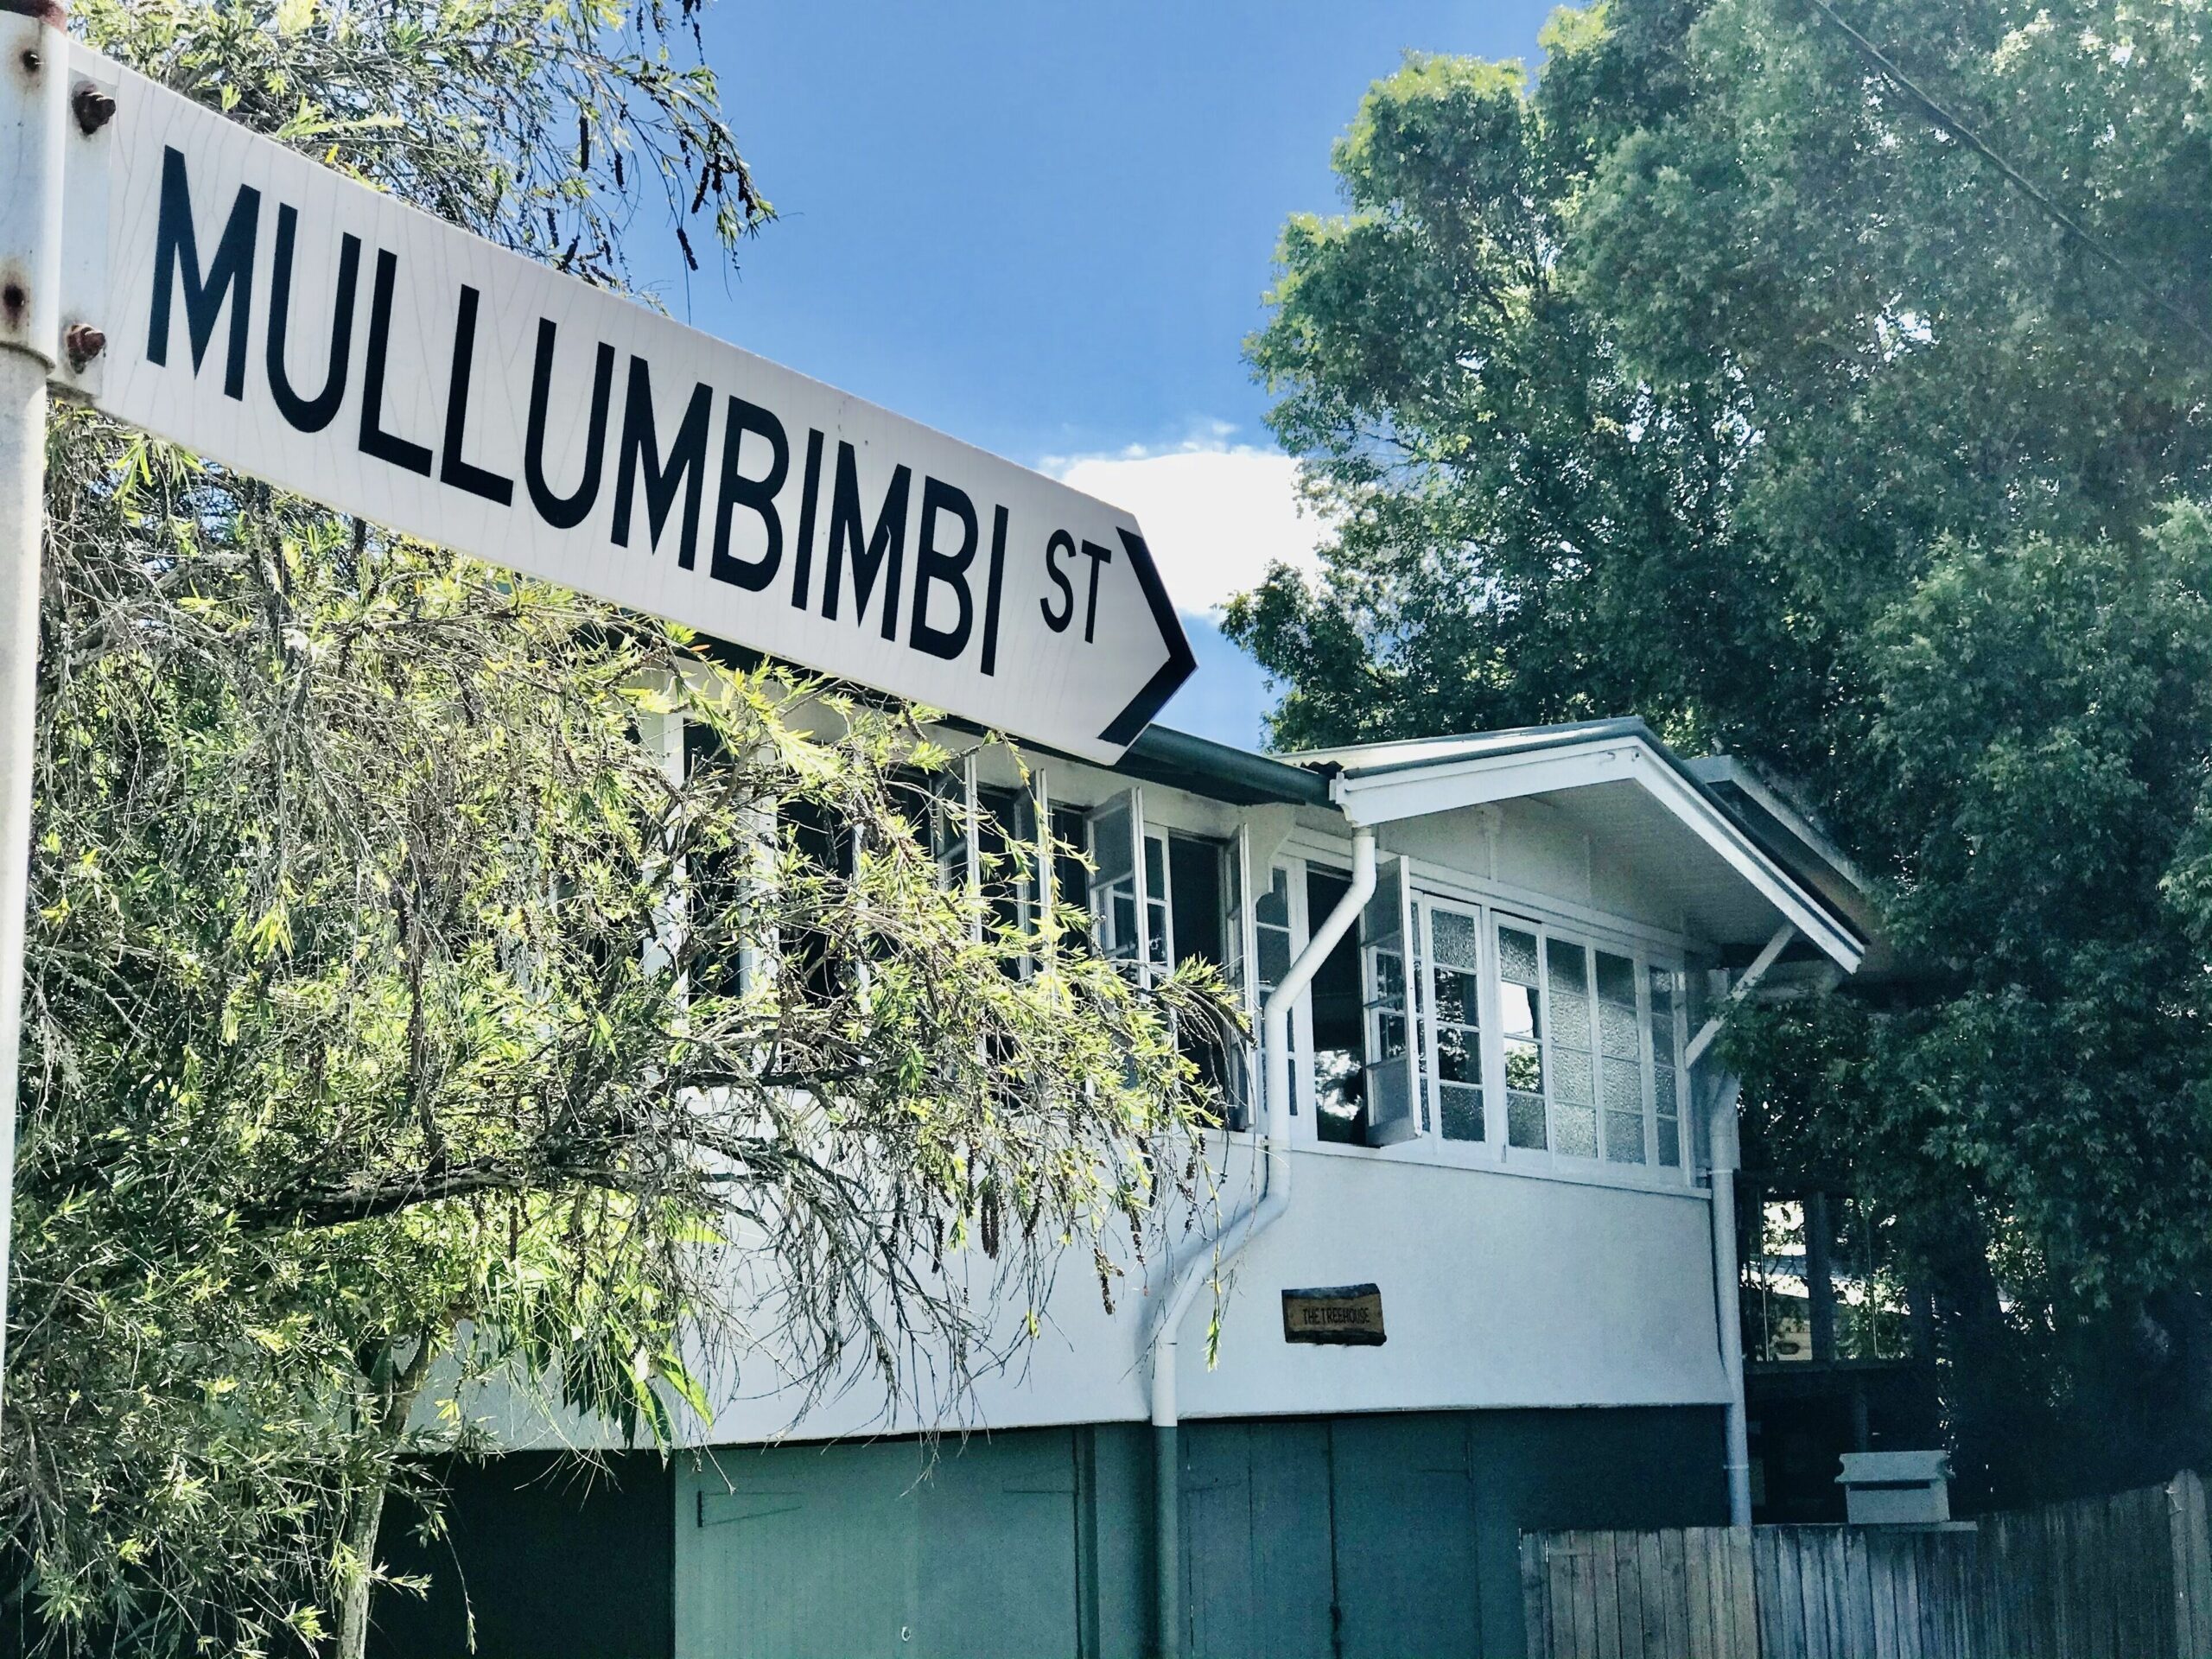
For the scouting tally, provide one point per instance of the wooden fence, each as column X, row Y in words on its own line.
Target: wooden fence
column 2128, row 1577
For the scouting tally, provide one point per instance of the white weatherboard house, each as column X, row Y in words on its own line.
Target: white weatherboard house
column 1490, row 968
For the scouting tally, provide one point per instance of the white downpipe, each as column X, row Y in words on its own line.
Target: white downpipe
column 1249, row 1221
column 1720, row 1139
column 1720, row 1133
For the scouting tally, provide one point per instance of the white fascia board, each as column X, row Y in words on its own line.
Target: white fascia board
column 1417, row 791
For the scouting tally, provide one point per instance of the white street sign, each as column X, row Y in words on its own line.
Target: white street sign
column 291, row 324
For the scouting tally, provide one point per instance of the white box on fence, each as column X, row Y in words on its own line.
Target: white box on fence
column 1896, row 1488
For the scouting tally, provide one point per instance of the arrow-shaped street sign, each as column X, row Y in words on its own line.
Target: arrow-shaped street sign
column 287, row 322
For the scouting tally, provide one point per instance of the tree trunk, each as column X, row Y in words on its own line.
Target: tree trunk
column 361, row 1528
column 367, row 1520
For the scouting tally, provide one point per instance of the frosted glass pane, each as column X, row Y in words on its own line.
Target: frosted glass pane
column 1624, row 1137
column 1463, row 1111
column 1516, row 956
column 1570, row 969
column 1616, row 979
column 1274, row 954
column 1663, row 1088
column 1578, row 1132
column 1525, row 1119
column 1670, row 1143
column 1572, row 1076
column 1456, row 941
column 1155, row 866
column 1617, row 1029
column 1624, row 1087
column 1570, row 1016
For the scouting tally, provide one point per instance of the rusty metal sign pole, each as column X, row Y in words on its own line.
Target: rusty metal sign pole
column 33, row 112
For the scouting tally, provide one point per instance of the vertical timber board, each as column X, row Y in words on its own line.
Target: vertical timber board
column 1662, row 1600
column 1701, row 1595
column 1583, row 1580
column 1781, row 1596
column 2190, row 1550
column 1605, row 1570
column 1743, row 1593
column 1859, row 1596
column 1564, row 1621
column 1535, row 1597
column 1628, row 1585
column 1881, row 1598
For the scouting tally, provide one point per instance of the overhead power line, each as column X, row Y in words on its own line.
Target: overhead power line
column 1966, row 135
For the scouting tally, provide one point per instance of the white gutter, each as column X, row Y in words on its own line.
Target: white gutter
column 1247, row 1224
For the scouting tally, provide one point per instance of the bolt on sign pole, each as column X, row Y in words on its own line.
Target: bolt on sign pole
column 33, row 88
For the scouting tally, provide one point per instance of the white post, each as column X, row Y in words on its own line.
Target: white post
column 34, row 106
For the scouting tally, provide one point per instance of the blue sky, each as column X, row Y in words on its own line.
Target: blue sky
column 1046, row 229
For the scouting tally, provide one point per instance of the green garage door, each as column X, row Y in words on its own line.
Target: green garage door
column 875, row 1552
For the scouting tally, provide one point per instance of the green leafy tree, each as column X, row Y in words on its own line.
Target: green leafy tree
column 1708, row 375
column 402, row 1015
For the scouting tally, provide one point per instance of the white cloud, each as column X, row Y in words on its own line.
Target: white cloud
column 1214, row 516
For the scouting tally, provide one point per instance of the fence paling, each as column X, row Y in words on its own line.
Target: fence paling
column 2125, row 1576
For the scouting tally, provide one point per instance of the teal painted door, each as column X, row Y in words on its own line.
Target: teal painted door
column 1256, row 1539
column 1348, row 1539
column 1402, row 1496
column 869, row 1552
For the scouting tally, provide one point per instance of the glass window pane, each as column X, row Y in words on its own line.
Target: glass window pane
column 1456, row 942
column 1616, row 1028
column 1578, row 1132
column 1524, row 1067
column 1624, row 1137
column 1663, row 1080
column 1662, row 1015
column 1456, row 998
column 1516, row 956
column 1524, row 1120
column 1517, row 1010
column 1570, row 992
column 1273, row 907
column 1458, row 1059
column 1670, row 1142
column 1463, row 1111
column 1338, row 1021
column 1572, row 1076
column 1570, row 968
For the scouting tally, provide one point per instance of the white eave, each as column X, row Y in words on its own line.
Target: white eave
column 1620, row 782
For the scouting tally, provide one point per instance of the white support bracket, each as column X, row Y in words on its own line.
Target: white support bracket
column 1742, row 988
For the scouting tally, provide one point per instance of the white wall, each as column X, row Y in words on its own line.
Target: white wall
column 1497, row 1290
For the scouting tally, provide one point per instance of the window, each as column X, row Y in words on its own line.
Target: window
column 1666, row 1096
column 1455, row 999
column 1396, row 1105
column 1205, row 906
column 1271, row 960
column 1590, row 1038
column 1129, row 888
column 1338, row 1016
